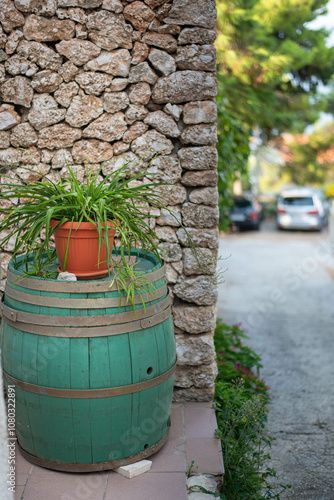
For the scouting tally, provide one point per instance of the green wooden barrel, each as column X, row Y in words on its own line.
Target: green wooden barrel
column 94, row 380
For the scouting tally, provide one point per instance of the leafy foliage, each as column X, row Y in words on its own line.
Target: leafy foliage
column 115, row 197
column 242, row 408
column 237, row 361
column 233, row 152
column 271, row 62
column 122, row 197
column 245, row 442
column 270, row 65
column 312, row 160
column 40, row 264
column 127, row 279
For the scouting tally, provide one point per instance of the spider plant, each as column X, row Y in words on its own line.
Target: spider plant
column 131, row 281
column 113, row 198
column 41, row 266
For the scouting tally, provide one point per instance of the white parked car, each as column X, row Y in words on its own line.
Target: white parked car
column 302, row 208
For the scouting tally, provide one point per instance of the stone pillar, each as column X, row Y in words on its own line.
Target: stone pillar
column 109, row 80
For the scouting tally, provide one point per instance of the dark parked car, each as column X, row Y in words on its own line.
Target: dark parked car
column 247, row 213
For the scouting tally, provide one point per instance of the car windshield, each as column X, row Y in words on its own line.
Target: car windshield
column 298, row 201
column 242, row 203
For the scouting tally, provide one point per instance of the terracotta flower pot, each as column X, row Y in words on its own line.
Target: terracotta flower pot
column 83, row 251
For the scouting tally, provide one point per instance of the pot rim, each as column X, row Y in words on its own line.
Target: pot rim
column 77, row 225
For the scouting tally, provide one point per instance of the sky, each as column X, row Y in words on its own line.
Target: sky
column 326, row 21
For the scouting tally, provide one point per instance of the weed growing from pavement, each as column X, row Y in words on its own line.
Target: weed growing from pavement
column 242, row 407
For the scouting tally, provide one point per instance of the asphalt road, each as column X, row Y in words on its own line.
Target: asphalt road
column 280, row 285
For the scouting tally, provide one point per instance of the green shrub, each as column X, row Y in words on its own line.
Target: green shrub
column 237, row 361
column 242, row 407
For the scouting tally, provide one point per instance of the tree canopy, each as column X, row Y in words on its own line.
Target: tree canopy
column 309, row 159
column 270, row 62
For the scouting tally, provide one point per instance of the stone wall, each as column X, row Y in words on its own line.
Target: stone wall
column 107, row 80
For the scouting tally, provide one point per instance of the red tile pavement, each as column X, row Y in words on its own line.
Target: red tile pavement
column 206, row 454
column 191, row 438
column 18, row 492
column 177, row 420
column 171, row 458
column 199, row 422
column 149, row 486
column 65, row 486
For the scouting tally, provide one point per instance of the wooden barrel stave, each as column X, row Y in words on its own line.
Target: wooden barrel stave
column 55, row 430
column 20, row 305
column 89, row 363
column 72, row 356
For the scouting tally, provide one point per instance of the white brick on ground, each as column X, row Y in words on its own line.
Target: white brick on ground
column 136, row 469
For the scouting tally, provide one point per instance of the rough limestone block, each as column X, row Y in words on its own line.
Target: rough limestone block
column 40, row 54
column 199, row 496
column 195, row 350
column 184, row 86
column 8, row 117
column 196, row 35
column 65, row 276
column 200, row 290
column 196, row 376
column 206, row 482
column 200, row 394
column 194, row 319
column 136, row 469
column 198, row 57
column 41, row 29
column 194, row 12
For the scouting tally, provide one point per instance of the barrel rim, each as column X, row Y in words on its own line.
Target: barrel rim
column 87, row 326
column 134, row 251
column 113, row 464
column 99, row 285
column 79, row 303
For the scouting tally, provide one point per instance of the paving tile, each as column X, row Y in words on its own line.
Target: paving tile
column 194, row 404
column 22, row 465
column 148, row 486
column 206, row 453
column 21, row 479
column 23, row 469
column 200, row 422
column 177, row 421
column 43, row 471
column 166, row 480
column 18, row 492
column 65, row 486
column 171, row 457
